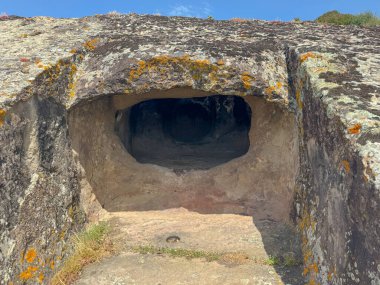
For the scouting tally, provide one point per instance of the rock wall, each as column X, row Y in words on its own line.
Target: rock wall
column 336, row 203
column 327, row 75
column 39, row 191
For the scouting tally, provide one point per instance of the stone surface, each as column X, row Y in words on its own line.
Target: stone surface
column 245, row 244
column 328, row 76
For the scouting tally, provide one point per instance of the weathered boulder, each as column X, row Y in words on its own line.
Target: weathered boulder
column 327, row 76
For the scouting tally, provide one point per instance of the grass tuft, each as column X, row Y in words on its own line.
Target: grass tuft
column 89, row 246
column 273, row 260
column 178, row 252
column 336, row 18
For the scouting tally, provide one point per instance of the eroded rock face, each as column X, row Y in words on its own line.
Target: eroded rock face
column 243, row 185
column 328, row 78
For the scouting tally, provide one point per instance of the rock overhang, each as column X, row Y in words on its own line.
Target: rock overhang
column 112, row 54
column 305, row 68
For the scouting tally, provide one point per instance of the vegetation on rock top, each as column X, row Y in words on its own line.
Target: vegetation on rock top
column 337, row 18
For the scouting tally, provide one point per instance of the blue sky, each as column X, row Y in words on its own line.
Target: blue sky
column 258, row 9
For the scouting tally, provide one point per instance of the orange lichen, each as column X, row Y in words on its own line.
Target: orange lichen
column 2, row 116
column 299, row 99
column 308, row 55
column 28, row 273
column 355, row 129
column 314, row 267
column 307, row 222
column 73, row 51
column 273, row 88
column 91, row 44
column 247, row 80
column 269, row 90
column 30, row 255
column 346, row 166
column 220, row 62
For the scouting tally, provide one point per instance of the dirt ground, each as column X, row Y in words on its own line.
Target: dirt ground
column 251, row 251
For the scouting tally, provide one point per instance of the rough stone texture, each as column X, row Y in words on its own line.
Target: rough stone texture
column 328, row 76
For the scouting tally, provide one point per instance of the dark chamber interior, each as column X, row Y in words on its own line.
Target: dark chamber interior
column 186, row 133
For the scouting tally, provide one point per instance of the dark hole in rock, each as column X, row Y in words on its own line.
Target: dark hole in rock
column 186, row 133
column 173, row 239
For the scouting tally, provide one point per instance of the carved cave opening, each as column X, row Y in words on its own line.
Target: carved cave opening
column 212, row 154
column 186, row 133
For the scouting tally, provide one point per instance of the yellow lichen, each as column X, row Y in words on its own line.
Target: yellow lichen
column 197, row 68
column 91, row 44
column 52, row 265
column 220, row 62
column 73, row 51
column 72, row 83
column 41, row 278
column 30, row 255
column 2, row 116
column 355, row 129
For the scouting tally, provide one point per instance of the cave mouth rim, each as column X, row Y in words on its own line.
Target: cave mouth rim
column 208, row 109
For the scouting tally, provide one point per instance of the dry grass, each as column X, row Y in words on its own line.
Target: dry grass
column 235, row 258
column 89, row 246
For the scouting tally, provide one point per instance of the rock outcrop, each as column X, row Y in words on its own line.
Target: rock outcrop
column 327, row 76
